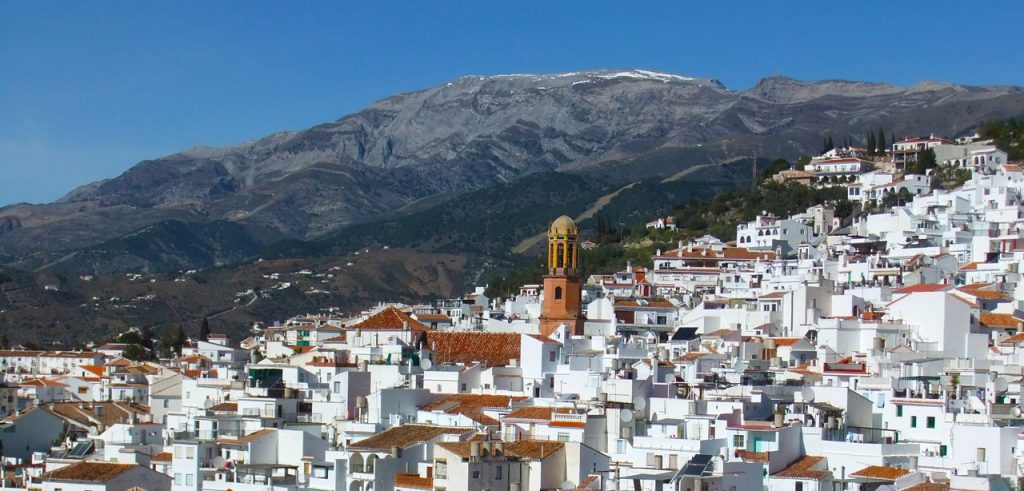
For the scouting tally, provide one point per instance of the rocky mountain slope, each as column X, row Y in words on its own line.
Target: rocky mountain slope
column 413, row 151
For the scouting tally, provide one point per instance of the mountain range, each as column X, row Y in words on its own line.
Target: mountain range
column 420, row 153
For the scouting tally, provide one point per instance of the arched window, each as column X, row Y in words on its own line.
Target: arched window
column 558, row 293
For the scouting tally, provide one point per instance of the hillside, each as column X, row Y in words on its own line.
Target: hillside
column 411, row 152
column 76, row 309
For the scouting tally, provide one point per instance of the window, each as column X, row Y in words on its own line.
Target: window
column 179, row 452
column 799, row 486
column 558, row 293
column 188, row 479
column 476, row 474
column 190, row 452
column 178, row 481
column 441, row 469
column 913, row 421
column 563, row 437
column 899, row 410
column 551, row 356
column 930, row 422
column 737, row 441
column 497, row 473
column 942, row 450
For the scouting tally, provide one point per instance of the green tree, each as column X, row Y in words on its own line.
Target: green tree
column 949, row 177
column 204, row 329
column 800, row 164
column 925, row 160
column 1008, row 136
column 777, row 165
column 130, row 337
column 870, row 143
column 134, row 352
column 172, row 339
column 899, row 198
column 882, row 148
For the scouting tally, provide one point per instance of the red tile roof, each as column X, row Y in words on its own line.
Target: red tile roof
column 807, row 467
column 469, row 403
column 998, row 321
column 522, row 449
column 88, row 471
column 1013, row 340
column 928, row 486
column 468, row 347
column 390, row 319
column 752, row 456
column 923, row 288
column 413, row 481
column 641, row 304
column 880, row 472
column 162, row 457
column 405, row 436
column 786, row 341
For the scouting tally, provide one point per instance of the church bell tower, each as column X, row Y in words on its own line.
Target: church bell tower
column 562, row 292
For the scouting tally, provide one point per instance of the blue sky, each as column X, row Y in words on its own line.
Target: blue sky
column 88, row 89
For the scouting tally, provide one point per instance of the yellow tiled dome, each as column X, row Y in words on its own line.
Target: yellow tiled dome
column 563, row 225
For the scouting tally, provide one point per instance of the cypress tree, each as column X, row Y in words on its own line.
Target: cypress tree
column 829, row 145
column 881, row 142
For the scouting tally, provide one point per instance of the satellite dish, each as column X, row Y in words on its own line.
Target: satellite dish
column 426, row 364
column 626, row 415
column 218, row 462
column 639, row 403
column 808, row 394
column 1016, row 412
column 568, row 485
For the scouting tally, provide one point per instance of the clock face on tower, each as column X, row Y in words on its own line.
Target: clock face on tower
column 562, row 292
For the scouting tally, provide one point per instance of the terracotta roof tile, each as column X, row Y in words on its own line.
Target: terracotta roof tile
column 162, row 457
column 998, row 321
column 786, row 341
column 923, row 288
column 469, row 403
column 390, row 319
column 88, row 471
column 413, row 481
column 807, row 467
column 468, row 347
column 522, row 449
column 880, row 472
column 928, row 486
column 752, row 456
column 225, row 406
column 405, row 436
column 1013, row 340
